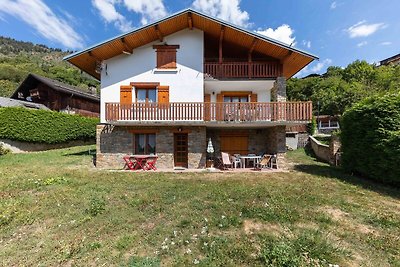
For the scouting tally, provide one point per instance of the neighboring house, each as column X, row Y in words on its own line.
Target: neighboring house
column 391, row 60
column 169, row 86
column 8, row 102
column 57, row 96
column 327, row 123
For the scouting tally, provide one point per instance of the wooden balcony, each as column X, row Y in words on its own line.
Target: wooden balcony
column 243, row 70
column 210, row 112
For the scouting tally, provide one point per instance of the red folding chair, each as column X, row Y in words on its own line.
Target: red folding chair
column 128, row 163
column 151, row 164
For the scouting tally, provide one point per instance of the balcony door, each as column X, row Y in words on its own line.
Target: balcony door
column 181, row 150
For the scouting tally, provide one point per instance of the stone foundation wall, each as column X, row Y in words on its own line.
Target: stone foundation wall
column 270, row 140
column 114, row 142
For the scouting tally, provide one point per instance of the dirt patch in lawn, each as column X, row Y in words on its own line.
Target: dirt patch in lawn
column 345, row 219
column 251, row 227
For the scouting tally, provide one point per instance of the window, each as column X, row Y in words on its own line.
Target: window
column 146, row 95
column 166, row 56
column 145, row 144
column 236, row 99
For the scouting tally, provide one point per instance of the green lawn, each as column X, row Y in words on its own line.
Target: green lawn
column 56, row 209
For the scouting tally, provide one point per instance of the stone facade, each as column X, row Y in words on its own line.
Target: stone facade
column 114, row 142
column 270, row 140
column 278, row 92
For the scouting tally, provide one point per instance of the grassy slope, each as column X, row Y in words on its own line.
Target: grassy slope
column 55, row 209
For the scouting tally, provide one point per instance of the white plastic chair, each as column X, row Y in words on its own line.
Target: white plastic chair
column 235, row 161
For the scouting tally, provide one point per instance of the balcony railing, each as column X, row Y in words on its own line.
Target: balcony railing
column 242, row 69
column 210, row 112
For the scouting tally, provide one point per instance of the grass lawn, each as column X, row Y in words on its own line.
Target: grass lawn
column 56, row 209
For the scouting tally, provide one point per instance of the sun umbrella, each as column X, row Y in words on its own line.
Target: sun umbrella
column 210, row 148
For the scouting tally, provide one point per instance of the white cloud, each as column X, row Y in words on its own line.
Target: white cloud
column 334, row 5
column 150, row 10
column 39, row 16
column 316, row 68
column 228, row 10
column 362, row 29
column 362, row 44
column 306, row 44
column 283, row 33
column 110, row 14
column 386, row 43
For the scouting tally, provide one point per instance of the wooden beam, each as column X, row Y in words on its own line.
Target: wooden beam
column 93, row 56
column 221, row 38
column 158, row 32
column 127, row 48
column 285, row 58
column 253, row 45
column 190, row 21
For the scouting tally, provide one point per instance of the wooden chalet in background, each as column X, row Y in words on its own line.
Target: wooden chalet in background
column 57, row 96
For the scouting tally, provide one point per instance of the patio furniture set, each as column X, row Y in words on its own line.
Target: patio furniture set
column 257, row 162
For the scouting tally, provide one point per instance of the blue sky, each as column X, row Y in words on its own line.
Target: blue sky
column 338, row 31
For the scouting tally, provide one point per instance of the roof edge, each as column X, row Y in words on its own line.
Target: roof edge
column 225, row 23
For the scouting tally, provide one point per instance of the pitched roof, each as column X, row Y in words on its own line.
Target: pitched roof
column 293, row 59
column 8, row 102
column 32, row 80
column 389, row 60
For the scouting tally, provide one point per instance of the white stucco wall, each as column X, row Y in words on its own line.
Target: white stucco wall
column 261, row 88
column 185, row 84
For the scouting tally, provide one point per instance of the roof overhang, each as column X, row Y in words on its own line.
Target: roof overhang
column 292, row 59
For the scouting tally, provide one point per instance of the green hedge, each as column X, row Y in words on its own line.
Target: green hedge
column 43, row 126
column 371, row 138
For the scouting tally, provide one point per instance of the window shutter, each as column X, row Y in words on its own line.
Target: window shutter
column 253, row 98
column 166, row 56
column 219, row 109
column 163, row 94
column 125, row 97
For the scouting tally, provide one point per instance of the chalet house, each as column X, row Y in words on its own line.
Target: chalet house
column 170, row 86
column 395, row 60
column 57, row 96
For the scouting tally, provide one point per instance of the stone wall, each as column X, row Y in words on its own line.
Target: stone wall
column 22, row 147
column 278, row 92
column 322, row 151
column 270, row 140
column 114, row 142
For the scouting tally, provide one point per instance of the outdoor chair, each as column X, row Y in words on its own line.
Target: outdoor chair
column 226, row 161
column 151, row 164
column 235, row 161
column 274, row 161
column 253, row 161
column 265, row 163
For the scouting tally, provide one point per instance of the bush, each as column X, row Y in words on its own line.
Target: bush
column 3, row 150
column 43, row 126
column 371, row 138
column 312, row 126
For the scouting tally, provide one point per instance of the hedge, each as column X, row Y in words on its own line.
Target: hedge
column 371, row 138
column 43, row 126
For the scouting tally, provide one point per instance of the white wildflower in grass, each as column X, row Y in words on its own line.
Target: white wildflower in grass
column 223, row 216
column 196, row 261
column 205, row 219
column 188, row 251
column 220, row 225
column 204, row 230
column 164, row 247
column 175, row 233
column 172, row 243
column 205, row 244
column 266, row 204
column 240, row 214
column 187, row 241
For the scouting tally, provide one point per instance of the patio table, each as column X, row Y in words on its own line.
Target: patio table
column 244, row 158
column 144, row 162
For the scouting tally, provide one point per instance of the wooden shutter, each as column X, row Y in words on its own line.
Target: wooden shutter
column 166, row 56
column 207, row 108
column 253, row 98
column 125, row 96
column 163, row 94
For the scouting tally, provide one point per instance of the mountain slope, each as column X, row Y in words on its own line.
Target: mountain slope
column 18, row 59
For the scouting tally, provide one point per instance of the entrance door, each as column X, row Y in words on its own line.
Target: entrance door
column 181, row 150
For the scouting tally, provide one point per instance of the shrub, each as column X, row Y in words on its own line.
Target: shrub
column 43, row 126
column 312, row 126
column 3, row 150
column 371, row 138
